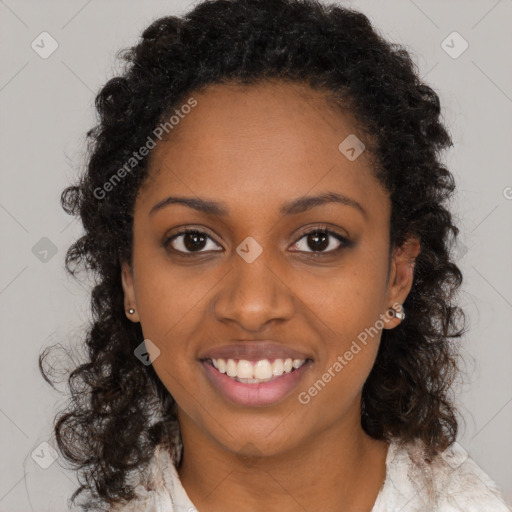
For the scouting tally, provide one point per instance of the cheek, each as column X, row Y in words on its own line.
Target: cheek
column 350, row 337
column 346, row 309
column 167, row 294
column 348, row 298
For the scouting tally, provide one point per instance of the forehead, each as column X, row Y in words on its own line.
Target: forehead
column 261, row 143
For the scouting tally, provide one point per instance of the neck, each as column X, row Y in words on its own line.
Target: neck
column 339, row 469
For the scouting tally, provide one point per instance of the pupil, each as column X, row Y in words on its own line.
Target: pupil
column 315, row 237
column 197, row 238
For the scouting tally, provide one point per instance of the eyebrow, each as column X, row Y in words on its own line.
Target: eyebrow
column 293, row 207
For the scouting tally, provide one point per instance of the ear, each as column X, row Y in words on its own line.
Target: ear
column 129, row 292
column 401, row 275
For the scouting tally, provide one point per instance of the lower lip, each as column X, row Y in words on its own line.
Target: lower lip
column 258, row 394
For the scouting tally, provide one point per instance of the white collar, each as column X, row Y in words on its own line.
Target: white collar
column 452, row 482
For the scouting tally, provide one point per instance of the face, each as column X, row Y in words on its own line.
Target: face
column 264, row 276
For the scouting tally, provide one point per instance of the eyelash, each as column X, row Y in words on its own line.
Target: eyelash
column 344, row 242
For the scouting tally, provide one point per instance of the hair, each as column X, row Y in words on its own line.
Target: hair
column 119, row 410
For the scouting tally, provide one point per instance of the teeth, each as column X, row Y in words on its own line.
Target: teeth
column 260, row 371
column 244, row 370
column 278, row 367
column 231, row 368
column 221, row 365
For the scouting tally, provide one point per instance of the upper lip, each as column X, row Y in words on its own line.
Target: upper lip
column 251, row 350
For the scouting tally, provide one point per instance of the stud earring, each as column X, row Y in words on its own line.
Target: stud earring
column 131, row 311
column 399, row 314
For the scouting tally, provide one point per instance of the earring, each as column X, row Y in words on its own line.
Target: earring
column 131, row 311
column 399, row 314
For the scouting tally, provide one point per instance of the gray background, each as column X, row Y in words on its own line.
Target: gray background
column 46, row 108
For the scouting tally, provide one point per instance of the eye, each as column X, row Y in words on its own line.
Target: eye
column 192, row 242
column 320, row 239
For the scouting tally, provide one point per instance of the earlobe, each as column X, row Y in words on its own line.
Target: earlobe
column 129, row 293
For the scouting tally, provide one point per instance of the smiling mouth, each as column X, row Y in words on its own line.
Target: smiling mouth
column 253, row 383
column 257, row 371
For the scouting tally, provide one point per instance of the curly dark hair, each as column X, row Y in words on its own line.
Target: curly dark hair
column 119, row 410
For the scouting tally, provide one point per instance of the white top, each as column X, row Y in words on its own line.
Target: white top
column 452, row 483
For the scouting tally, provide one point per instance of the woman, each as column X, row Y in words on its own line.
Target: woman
column 275, row 321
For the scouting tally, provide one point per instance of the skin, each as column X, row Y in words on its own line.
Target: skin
column 255, row 148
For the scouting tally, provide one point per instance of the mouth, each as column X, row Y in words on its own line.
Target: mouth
column 255, row 382
column 254, row 372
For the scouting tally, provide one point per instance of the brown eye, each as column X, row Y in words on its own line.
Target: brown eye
column 189, row 241
column 319, row 240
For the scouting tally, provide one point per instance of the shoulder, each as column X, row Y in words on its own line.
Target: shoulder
column 449, row 482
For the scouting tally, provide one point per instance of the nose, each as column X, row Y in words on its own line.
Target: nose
column 254, row 294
